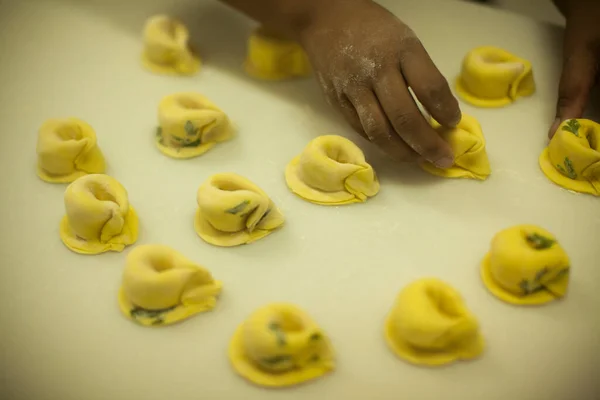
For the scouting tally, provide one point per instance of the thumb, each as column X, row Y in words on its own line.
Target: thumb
column 580, row 66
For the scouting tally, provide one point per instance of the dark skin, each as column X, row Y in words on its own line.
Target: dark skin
column 365, row 59
column 581, row 58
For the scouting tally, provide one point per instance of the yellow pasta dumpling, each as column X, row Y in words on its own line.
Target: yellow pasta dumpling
column 234, row 211
column 493, row 77
column 526, row 266
column 572, row 159
column 99, row 217
column 190, row 125
column 470, row 157
column 280, row 345
column 67, row 150
column 332, row 171
column 271, row 57
column 430, row 325
column 166, row 47
column 160, row 287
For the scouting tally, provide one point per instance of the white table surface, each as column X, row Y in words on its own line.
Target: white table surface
column 61, row 334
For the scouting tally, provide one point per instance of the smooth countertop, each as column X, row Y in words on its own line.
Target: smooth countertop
column 61, row 334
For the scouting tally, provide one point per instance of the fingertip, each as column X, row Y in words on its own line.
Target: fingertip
column 448, row 114
column 444, row 157
column 444, row 162
column 554, row 127
column 453, row 123
column 441, row 156
column 577, row 79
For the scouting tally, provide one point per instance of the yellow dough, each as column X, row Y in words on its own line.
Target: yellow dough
column 66, row 150
column 470, row 157
column 526, row 266
column 492, row 77
column 99, row 217
column 233, row 211
column 572, row 159
column 274, row 58
column 166, row 48
column 331, row 171
column 280, row 345
column 190, row 125
column 430, row 325
column 161, row 286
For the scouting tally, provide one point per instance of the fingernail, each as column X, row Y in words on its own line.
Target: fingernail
column 444, row 162
column 456, row 120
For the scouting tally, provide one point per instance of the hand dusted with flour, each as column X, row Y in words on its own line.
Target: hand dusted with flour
column 365, row 60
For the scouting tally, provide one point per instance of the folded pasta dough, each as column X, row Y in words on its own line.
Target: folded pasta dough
column 526, row 266
column 430, row 325
column 99, row 217
column 470, row 157
column 493, row 77
column 166, row 47
column 332, row 171
column 572, row 159
column 274, row 58
column 280, row 345
column 190, row 125
column 160, row 286
column 233, row 211
column 67, row 150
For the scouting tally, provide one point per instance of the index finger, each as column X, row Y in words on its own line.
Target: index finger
column 375, row 125
column 429, row 85
column 408, row 122
column 581, row 57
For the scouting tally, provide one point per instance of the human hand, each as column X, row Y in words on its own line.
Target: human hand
column 365, row 60
column 581, row 58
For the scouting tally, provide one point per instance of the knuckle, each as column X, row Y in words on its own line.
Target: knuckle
column 562, row 103
column 438, row 93
column 374, row 127
column 375, row 130
column 570, row 104
column 410, row 41
column 572, row 87
column 430, row 150
column 330, row 100
column 403, row 121
column 566, row 100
